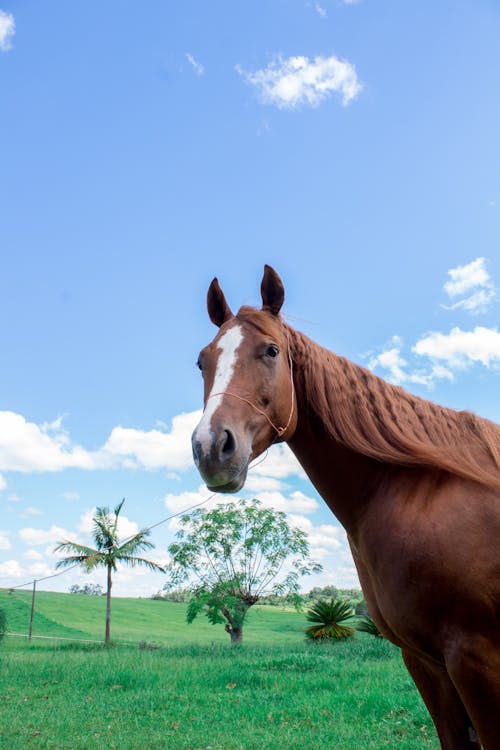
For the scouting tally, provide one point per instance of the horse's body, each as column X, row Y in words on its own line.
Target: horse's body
column 416, row 486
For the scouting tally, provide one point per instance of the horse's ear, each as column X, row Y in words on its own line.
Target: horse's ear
column 272, row 291
column 218, row 309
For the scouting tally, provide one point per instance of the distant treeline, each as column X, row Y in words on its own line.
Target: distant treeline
column 353, row 596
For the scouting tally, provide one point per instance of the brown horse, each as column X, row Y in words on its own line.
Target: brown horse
column 416, row 486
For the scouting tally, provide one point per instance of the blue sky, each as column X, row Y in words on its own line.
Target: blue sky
column 352, row 145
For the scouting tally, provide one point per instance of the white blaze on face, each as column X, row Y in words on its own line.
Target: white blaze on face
column 228, row 345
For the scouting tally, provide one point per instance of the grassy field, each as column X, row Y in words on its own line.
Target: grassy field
column 194, row 692
column 79, row 616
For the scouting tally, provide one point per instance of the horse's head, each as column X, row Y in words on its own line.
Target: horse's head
column 249, row 395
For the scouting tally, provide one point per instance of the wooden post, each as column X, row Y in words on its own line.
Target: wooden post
column 32, row 614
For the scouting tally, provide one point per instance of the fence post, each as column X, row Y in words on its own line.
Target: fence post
column 32, row 610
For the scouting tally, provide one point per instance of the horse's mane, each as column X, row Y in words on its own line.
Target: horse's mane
column 372, row 417
column 385, row 422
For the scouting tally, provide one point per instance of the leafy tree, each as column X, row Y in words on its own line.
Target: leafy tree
column 233, row 555
column 91, row 589
column 330, row 618
column 322, row 593
column 108, row 551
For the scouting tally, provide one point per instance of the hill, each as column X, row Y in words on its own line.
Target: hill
column 82, row 616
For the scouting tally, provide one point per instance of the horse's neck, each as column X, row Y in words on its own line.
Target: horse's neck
column 345, row 480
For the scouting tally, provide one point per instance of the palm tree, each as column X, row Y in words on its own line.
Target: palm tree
column 108, row 551
column 331, row 617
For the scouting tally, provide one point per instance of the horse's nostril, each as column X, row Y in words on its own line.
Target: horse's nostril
column 228, row 444
column 196, row 446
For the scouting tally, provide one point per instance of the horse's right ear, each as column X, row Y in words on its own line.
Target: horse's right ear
column 218, row 309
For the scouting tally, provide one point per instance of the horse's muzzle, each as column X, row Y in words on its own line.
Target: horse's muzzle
column 222, row 460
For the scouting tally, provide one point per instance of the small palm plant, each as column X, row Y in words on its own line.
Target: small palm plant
column 331, row 618
column 367, row 625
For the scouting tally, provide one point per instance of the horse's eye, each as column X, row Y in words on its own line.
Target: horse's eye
column 272, row 351
column 199, row 365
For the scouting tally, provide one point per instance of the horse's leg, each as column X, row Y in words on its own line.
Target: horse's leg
column 474, row 666
column 450, row 718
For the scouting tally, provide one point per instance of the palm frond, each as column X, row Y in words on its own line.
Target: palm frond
column 78, row 549
column 367, row 625
column 138, row 543
column 135, row 561
column 117, row 513
column 87, row 561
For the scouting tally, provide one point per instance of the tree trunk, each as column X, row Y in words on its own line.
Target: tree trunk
column 236, row 635
column 108, row 608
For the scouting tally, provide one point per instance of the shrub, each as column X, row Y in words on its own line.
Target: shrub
column 367, row 625
column 331, row 618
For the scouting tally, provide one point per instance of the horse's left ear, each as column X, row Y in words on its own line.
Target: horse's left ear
column 272, row 291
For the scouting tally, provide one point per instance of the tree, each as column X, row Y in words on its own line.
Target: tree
column 91, row 589
column 331, row 618
column 108, row 551
column 234, row 554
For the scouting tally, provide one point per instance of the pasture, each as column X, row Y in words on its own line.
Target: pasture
column 192, row 691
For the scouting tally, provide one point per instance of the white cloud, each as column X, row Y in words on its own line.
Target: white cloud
column 7, row 30
column 39, row 569
column 396, row 367
column 71, row 496
column 460, row 349
column 473, row 284
column 295, row 502
column 32, row 554
column 11, row 569
column 30, row 510
column 55, row 534
column 27, row 447
column 185, row 500
column 446, row 352
column 3, row 483
column 320, row 10
column 197, row 66
column 327, row 536
column 262, row 484
column 4, row 540
column 328, row 544
column 297, row 80
column 278, row 462
column 155, row 449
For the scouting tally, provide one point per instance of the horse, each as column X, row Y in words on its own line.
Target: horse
column 415, row 485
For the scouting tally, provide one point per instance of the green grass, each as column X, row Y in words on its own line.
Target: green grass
column 80, row 616
column 196, row 692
